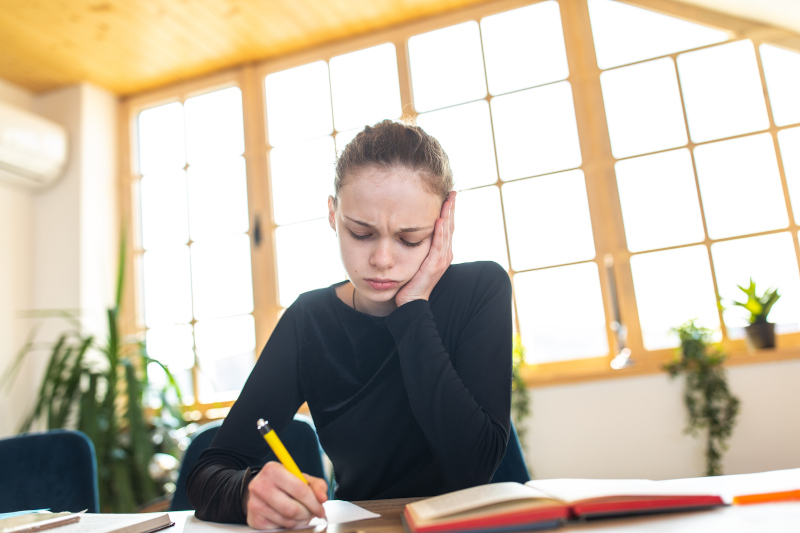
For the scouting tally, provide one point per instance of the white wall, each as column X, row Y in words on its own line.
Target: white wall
column 16, row 236
column 633, row 427
column 58, row 246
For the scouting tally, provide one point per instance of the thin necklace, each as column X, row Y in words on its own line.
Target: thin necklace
column 354, row 298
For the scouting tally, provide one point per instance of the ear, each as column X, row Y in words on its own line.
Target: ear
column 332, row 212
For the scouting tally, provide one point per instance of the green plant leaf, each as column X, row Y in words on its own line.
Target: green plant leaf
column 71, row 397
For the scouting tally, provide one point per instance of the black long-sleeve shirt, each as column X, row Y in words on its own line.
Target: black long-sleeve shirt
column 416, row 403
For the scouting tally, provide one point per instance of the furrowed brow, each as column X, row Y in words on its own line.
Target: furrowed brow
column 402, row 230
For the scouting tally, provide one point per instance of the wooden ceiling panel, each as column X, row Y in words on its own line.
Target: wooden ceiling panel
column 128, row 46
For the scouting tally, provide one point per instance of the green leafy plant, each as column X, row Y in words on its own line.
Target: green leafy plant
column 758, row 306
column 710, row 405
column 98, row 387
column 520, row 397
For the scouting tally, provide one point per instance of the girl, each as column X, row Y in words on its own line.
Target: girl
column 406, row 367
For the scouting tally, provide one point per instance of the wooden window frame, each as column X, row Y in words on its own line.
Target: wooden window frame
column 597, row 165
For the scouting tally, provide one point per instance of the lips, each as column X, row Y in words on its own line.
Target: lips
column 382, row 284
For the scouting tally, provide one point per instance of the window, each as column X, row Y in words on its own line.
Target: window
column 195, row 253
column 620, row 163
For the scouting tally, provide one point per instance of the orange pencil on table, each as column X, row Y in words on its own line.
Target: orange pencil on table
column 279, row 449
column 768, row 497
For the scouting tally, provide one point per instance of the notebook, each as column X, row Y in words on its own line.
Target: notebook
column 506, row 507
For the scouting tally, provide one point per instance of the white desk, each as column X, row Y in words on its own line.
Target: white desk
column 762, row 518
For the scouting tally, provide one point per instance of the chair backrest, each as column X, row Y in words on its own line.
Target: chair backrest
column 512, row 467
column 54, row 470
column 300, row 438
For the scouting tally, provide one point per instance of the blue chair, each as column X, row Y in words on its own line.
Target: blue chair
column 512, row 467
column 300, row 438
column 54, row 470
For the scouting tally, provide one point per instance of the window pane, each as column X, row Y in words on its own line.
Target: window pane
column 643, row 108
column 652, row 189
column 221, row 277
column 740, row 186
column 165, row 218
column 447, row 67
column 298, row 104
column 302, row 179
column 524, row 47
column 161, row 144
column 173, row 346
column 548, row 221
column 535, row 131
column 214, row 126
column 624, row 33
column 789, row 141
column 218, row 198
column 782, row 72
column 365, row 87
column 672, row 287
column 479, row 234
column 561, row 313
column 771, row 261
column 308, row 258
column 222, row 379
column 167, row 286
column 158, row 381
column 225, row 337
column 465, row 133
column 722, row 91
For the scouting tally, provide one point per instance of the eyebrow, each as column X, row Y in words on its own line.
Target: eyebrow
column 402, row 230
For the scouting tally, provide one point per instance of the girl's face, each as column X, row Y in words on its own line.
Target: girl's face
column 384, row 222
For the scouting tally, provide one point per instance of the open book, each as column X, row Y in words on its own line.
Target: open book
column 505, row 507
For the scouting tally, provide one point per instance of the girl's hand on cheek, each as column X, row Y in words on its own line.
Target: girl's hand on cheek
column 439, row 257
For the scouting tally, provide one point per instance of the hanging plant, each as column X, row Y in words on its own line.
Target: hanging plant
column 710, row 405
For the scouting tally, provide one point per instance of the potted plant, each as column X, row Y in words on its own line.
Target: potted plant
column 520, row 397
column 98, row 387
column 708, row 400
column 760, row 333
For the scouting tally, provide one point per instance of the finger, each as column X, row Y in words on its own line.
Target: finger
column 261, row 516
column 279, row 509
column 320, row 488
column 453, row 213
column 301, row 492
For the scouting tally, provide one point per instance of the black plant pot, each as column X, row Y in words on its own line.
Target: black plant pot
column 760, row 336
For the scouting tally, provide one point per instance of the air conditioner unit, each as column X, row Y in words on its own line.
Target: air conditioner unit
column 33, row 150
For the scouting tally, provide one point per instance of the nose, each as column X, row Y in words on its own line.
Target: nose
column 382, row 257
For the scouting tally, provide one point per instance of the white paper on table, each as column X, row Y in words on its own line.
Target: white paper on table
column 336, row 511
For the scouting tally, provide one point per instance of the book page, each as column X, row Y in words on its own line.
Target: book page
column 739, row 485
column 573, row 490
column 472, row 498
column 108, row 523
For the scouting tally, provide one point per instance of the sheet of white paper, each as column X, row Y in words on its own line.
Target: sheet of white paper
column 337, row 512
column 740, row 484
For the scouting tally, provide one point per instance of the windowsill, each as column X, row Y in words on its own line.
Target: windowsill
column 566, row 372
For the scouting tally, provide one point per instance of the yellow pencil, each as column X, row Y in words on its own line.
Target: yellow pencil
column 279, row 449
column 768, row 497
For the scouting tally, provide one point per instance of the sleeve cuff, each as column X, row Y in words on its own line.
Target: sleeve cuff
column 247, row 477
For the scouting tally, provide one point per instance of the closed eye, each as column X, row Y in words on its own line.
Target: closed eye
column 412, row 244
column 360, row 237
